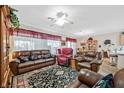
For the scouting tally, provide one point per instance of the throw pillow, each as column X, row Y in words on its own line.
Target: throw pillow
column 105, row 82
column 23, row 58
column 45, row 56
column 33, row 57
column 39, row 56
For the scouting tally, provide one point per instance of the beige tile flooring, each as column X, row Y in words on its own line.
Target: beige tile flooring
column 106, row 68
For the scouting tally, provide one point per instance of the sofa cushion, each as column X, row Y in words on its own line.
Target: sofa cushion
column 29, row 63
column 39, row 61
column 105, row 82
column 50, row 59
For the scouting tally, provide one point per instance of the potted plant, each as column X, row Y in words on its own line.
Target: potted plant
column 13, row 18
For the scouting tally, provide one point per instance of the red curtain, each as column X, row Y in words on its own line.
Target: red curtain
column 29, row 33
column 71, row 39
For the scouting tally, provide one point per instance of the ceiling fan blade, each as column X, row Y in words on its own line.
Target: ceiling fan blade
column 50, row 18
column 71, row 22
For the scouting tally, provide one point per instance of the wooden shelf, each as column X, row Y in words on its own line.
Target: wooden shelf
column 90, row 45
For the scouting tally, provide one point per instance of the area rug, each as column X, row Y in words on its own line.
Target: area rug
column 49, row 77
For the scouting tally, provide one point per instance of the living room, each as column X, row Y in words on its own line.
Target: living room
column 64, row 46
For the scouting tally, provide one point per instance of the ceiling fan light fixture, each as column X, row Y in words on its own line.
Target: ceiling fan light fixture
column 60, row 22
column 61, row 19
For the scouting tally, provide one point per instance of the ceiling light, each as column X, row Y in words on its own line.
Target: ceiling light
column 60, row 22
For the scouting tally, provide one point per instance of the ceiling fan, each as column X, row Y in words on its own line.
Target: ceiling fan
column 60, row 19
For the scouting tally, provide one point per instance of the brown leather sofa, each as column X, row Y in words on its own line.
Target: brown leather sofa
column 43, row 58
column 87, row 79
column 88, row 61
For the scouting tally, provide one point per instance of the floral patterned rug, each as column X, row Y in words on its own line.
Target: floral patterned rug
column 48, row 77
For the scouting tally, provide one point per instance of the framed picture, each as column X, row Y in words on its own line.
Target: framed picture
column 63, row 43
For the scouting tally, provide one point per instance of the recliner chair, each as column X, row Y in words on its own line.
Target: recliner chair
column 89, row 61
column 87, row 79
column 64, row 56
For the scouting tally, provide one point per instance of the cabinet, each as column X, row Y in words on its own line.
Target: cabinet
column 89, row 45
column 92, row 44
column 4, row 46
column 122, row 39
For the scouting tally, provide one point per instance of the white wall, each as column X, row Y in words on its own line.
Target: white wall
column 114, row 37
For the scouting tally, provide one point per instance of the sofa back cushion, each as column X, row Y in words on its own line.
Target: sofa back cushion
column 20, row 53
column 36, row 52
column 91, row 54
column 25, row 56
column 46, row 54
column 67, row 51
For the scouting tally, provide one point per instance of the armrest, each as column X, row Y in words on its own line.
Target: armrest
column 95, row 65
column 97, row 62
column 88, row 77
column 14, row 66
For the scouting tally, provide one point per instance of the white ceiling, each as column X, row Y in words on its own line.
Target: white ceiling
column 88, row 19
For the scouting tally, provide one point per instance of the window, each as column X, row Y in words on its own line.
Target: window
column 23, row 43
column 28, row 43
column 53, row 45
column 72, row 45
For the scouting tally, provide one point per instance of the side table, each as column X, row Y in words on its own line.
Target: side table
column 73, row 63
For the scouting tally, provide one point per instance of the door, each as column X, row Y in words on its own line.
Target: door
column 4, row 46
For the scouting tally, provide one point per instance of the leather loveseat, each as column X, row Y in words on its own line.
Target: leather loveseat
column 24, row 61
column 87, row 79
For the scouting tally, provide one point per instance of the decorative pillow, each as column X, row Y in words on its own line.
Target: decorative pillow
column 33, row 57
column 23, row 58
column 105, row 82
column 46, row 56
column 39, row 56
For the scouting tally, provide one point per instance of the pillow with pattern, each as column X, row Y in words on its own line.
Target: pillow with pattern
column 23, row 58
column 33, row 57
column 105, row 82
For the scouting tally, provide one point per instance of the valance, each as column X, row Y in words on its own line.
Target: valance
column 71, row 39
column 33, row 34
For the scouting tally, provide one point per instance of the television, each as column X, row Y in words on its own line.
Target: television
column 106, row 42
